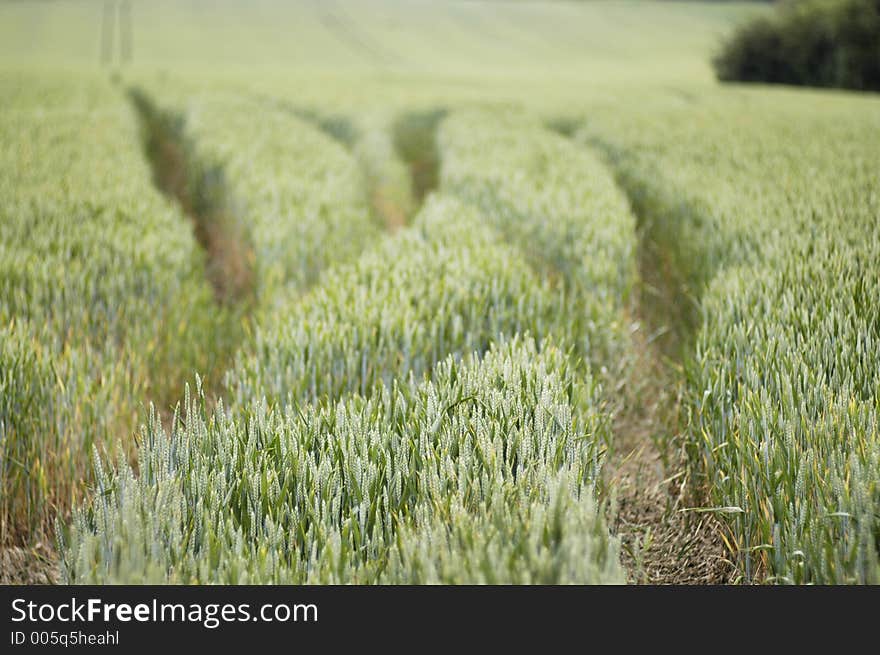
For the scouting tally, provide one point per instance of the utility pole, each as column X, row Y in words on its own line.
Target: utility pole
column 125, row 32
column 116, row 12
column 108, row 22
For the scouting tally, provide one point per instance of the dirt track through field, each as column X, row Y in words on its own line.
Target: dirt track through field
column 200, row 193
column 414, row 139
column 663, row 543
column 646, row 473
column 229, row 270
column 199, row 189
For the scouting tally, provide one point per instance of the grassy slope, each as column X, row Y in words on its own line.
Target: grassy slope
column 405, row 55
column 597, row 41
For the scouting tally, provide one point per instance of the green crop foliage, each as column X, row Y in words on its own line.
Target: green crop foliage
column 444, row 286
column 431, row 404
column 770, row 212
column 388, row 178
column 329, row 403
column 558, row 204
column 101, row 284
column 300, row 195
column 354, row 491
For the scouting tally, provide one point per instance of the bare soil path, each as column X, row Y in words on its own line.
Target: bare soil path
column 37, row 564
column 646, row 472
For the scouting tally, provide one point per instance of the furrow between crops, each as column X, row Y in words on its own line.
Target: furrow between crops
column 560, row 204
column 103, row 294
column 646, row 470
column 200, row 191
column 398, row 155
column 415, row 140
column 370, row 138
column 779, row 399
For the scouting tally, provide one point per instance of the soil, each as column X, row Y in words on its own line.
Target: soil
column 646, row 471
column 392, row 214
column 35, row 565
column 230, row 256
column 661, row 543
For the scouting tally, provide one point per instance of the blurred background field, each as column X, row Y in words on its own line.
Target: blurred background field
column 371, row 45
